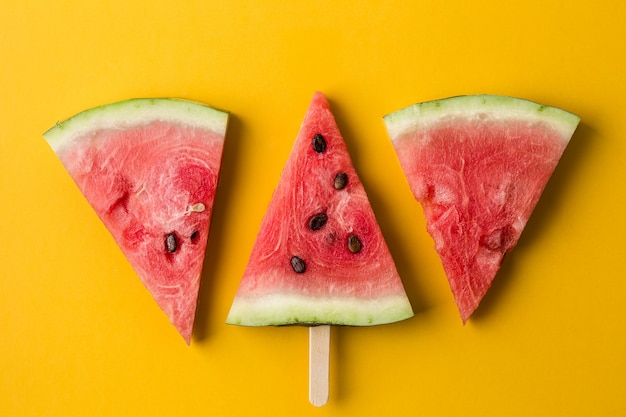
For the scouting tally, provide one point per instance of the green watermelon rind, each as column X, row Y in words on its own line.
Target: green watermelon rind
column 134, row 112
column 423, row 115
column 296, row 309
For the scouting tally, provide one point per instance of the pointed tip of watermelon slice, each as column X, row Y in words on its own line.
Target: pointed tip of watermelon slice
column 319, row 100
column 465, row 317
column 466, row 307
column 184, row 326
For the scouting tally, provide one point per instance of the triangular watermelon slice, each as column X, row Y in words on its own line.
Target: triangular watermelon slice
column 478, row 165
column 320, row 256
column 150, row 168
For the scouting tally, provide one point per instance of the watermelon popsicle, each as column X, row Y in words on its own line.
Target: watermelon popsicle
column 320, row 258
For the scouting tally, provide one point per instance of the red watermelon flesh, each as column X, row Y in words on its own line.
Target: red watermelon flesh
column 150, row 168
column 320, row 256
column 478, row 165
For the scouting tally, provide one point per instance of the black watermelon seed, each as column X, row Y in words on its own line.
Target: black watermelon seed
column 341, row 180
column 319, row 143
column 298, row 264
column 316, row 222
column 194, row 235
column 354, row 244
column 170, row 242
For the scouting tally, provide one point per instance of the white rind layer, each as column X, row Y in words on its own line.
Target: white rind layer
column 422, row 116
column 284, row 309
column 135, row 112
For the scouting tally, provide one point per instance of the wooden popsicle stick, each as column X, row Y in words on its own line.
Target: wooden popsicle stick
column 319, row 353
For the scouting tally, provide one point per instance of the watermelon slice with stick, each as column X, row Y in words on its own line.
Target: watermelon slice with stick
column 320, row 257
column 150, row 168
column 478, row 165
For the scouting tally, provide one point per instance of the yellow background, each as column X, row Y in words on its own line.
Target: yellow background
column 80, row 336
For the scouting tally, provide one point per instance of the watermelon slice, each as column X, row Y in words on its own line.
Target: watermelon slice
column 478, row 165
column 150, row 168
column 319, row 257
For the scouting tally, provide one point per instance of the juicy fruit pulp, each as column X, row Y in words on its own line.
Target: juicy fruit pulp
column 319, row 257
column 149, row 168
column 478, row 165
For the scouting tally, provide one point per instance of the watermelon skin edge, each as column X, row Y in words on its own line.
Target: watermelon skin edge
column 115, row 116
column 406, row 119
column 274, row 310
